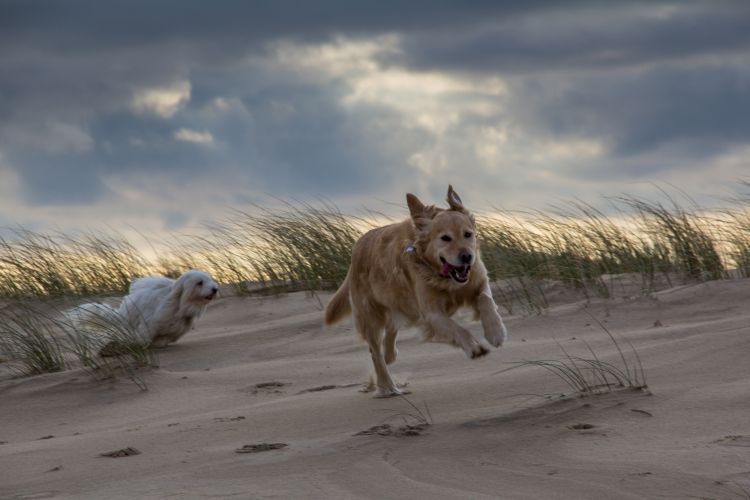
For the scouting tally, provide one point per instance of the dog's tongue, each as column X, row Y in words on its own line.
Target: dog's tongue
column 447, row 268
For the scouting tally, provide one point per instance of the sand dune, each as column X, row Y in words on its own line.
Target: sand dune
column 263, row 370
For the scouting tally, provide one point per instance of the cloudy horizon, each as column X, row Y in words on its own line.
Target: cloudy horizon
column 164, row 115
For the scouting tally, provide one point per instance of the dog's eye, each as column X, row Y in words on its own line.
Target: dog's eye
column 467, row 234
column 445, row 237
column 200, row 283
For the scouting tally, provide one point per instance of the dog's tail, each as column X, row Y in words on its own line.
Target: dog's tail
column 92, row 315
column 103, row 327
column 339, row 307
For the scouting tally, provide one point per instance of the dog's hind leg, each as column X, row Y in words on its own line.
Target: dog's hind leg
column 160, row 341
column 373, row 334
column 390, row 342
column 386, row 387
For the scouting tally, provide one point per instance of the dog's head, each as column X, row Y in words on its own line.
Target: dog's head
column 446, row 239
column 195, row 287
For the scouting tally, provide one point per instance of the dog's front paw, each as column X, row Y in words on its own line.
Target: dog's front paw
column 497, row 335
column 476, row 349
column 368, row 386
column 495, row 332
column 389, row 392
column 479, row 351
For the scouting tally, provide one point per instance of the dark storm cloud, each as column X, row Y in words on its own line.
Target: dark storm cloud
column 288, row 138
column 59, row 181
column 599, row 36
column 700, row 109
column 313, row 145
column 77, row 66
column 638, row 76
column 76, row 24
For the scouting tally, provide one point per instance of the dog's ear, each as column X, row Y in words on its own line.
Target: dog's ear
column 178, row 287
column 416, row 207
column 420, row 214
column 454, row 201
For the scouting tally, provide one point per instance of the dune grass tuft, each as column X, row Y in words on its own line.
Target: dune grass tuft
column 107, row 346
column 686, row 238
column 30, row 342
column 37, row 339
column 591, row 375
column 585, row 249
column 414, row 421
column 300, row 247
column 35, row 264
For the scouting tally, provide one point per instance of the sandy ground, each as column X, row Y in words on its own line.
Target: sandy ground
column 264, row 371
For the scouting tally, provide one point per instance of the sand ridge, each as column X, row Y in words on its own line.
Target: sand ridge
column 262, row 374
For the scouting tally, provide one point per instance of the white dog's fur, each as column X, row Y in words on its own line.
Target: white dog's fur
column 158, row 308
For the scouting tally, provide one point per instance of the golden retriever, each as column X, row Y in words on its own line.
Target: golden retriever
column 418, row 272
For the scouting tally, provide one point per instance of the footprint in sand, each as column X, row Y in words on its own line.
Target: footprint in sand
column 273, row 387
column 319, row 388
column 124, row 452
column 229, row 419
column 257, row 448
column 389, row 430
column 327, row 388
column 581, row 427
column 644, row 412
column 738, row 440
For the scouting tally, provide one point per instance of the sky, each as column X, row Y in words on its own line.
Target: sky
column 165, row 115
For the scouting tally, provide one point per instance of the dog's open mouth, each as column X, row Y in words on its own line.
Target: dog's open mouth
column 459, row 274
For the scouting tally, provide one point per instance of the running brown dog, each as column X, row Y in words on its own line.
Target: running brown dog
column 418, row 272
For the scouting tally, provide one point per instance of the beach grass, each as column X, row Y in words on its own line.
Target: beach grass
column 574, row 246
column 308, row 247
column 587, row 374
column 30, row 342
column 40, row 337
column 34, row 264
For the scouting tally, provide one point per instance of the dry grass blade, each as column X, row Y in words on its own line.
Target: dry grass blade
column 107, row 345
column 415, row 415
column 29, row 340
column 39, row 338
column 299, row 247
column 592, row 375
column 41, row 265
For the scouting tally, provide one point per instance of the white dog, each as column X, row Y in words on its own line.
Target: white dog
column 158, row 308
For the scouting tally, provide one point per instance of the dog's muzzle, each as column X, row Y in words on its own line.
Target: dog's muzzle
column 459, row 274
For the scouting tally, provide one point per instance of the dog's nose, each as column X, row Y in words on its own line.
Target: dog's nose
column 465, row 257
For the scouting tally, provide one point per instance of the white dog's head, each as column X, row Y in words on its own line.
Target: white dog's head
column 194, row 288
